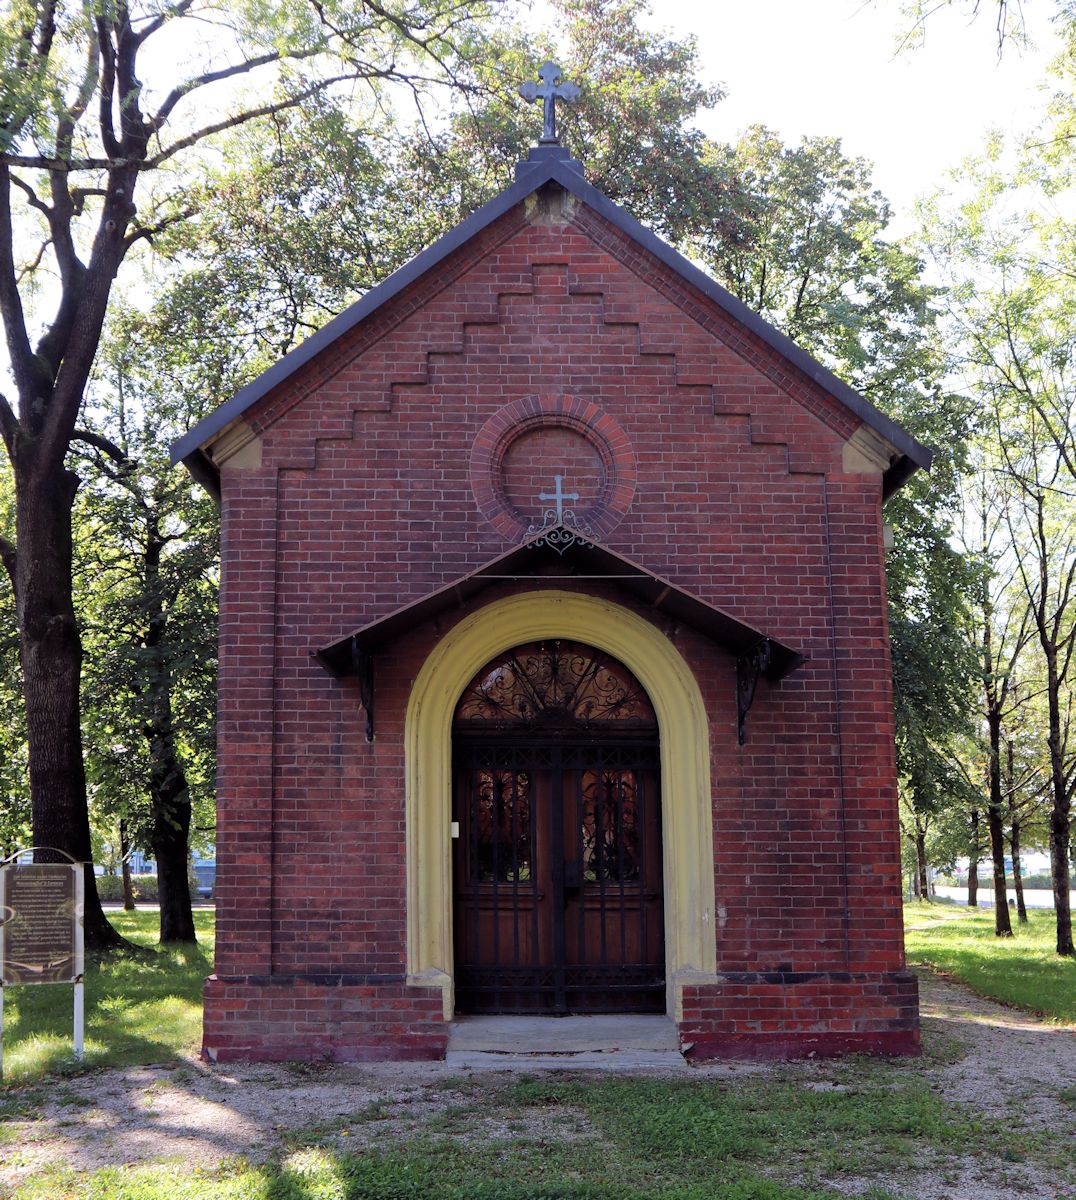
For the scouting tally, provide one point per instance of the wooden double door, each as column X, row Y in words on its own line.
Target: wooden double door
column 558, row 902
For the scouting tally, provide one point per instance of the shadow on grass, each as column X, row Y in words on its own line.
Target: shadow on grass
column 140, row 1008
column 431, row 1171
column 813, row 1132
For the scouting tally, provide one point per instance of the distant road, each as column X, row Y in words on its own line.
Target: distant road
column 1033, row 898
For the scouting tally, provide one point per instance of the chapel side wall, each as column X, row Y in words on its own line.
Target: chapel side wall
column 777, row 832
column 864, row 668
column 246, row 640
column 822, row 970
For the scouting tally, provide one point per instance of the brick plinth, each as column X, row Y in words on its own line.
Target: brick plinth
column 796, row 1014
column 342, row 1018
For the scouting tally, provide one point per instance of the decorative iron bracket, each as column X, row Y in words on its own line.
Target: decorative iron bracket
column 560, row 527
column 560, row 536
column 749, row 667
column 363, row 665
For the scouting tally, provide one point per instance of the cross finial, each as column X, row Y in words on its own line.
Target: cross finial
column 559, row 495
column 549, row 93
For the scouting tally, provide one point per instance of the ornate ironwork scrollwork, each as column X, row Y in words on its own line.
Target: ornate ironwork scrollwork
column 749, row 667
column 363, row 665
column 558, row 537
column 555, row 683
column 559, row 527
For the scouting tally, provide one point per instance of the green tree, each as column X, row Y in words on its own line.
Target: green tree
column 314, row 207
column 89, row 116
column 634, row 127
column 148, row 541
column 803, row 243
column 1011, row 254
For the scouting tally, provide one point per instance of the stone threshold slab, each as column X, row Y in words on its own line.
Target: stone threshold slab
column 603, row 1034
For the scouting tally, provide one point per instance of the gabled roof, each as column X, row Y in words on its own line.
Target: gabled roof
column 579, row 559
column 547, row 164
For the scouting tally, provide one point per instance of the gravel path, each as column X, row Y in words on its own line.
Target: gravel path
column 1007, row 1064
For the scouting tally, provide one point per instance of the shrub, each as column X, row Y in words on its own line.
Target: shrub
column 110, row 887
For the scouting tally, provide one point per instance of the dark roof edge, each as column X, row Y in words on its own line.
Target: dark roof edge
column 897, row 437
column 530, row 178
column 529, row 181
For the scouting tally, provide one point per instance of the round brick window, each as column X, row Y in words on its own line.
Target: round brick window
column 523, row 447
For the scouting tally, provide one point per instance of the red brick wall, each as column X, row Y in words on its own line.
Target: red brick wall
column 711, row 461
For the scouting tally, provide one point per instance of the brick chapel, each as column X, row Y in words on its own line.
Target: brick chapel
column 554, row 664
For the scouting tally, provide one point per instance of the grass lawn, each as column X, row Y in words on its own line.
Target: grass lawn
column 566, row 1137
column 137, row 1010
column 1022, row 970
column 797, row 1132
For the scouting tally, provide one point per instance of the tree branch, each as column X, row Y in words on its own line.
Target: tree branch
column 99, row 442
column 108, row 88
column 262, row 110
column 200, row 81
column 30, row 267
column 11, row 310
column 162, row 19
column 48, row 30
column 66, row 125
column 32, row 198
column 149, row 232
column 9, row 424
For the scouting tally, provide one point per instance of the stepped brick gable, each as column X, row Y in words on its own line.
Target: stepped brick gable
column 382, row 523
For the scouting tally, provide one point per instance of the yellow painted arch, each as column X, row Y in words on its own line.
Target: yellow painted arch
column 687, row 821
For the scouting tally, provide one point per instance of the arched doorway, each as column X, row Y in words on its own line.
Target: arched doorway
column 556, row 820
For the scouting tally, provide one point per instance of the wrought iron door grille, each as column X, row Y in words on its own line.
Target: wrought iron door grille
column 558, row 874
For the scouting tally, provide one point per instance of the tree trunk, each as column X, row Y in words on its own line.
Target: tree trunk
column 168, row 783
column 913, row 874
column 171, row 831
column 1017, row 877
column 1014, row 834
column 921, row 863
column 1060, row 811
column 125, row 868
column 1002, row 923
column 51, row 653
column 973, row 861
column 1059, row 872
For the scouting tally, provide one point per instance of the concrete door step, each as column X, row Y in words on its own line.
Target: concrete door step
column 577, row 1060
column 604, row 1041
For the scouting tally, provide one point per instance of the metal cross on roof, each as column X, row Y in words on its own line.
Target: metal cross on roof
column 549, row 93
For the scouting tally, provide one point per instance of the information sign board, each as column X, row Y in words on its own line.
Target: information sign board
column 40, row 931
column 41, row 934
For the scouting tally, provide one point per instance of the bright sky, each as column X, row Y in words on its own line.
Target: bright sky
column 829, row 67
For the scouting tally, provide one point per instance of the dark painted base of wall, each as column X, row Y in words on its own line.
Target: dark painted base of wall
column 355, row 1019
column 802, row 1014
column 891, row 1044
column 399, row 1050
column 321, row 1018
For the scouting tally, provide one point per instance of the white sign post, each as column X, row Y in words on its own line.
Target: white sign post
column 42, row 939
